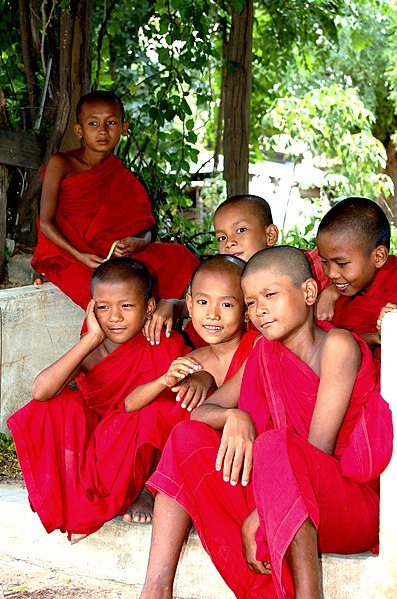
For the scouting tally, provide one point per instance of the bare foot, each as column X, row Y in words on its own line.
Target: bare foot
column 142, row 508
column 75, row 538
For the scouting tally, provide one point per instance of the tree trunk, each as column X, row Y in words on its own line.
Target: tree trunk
column 221, row 109
column 238, row 86
column 81, row 64
column 25, row 230
column 3, row 195
column 390, row 203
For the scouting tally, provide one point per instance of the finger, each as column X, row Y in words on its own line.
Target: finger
column 189, row 398
column 236, row 466
column 228, row 462
column 158, row 327
column 245, row 478
column 168, row 328
column 221, row 454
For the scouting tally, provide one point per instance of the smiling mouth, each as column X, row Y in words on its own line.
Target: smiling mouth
column 341, row 286
column 212, row 328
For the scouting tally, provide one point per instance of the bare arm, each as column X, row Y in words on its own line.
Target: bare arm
column 53, row 379
column 339, row 364
column 221, row 413
column 214, row 410
column 146, row 393
column 54, row 175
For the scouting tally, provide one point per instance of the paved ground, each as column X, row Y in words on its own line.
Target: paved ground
column 22, row 580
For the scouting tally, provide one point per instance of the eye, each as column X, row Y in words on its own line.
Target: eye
column 323, row 261
column 270, row 294
column 342, row 264
column 227, row 305
column 249, row 303
column 112, row 122
column 202, row 302
column 221, row 238
column 93, row 123
column 241, row 229
column 128, row 305
column 103, row 307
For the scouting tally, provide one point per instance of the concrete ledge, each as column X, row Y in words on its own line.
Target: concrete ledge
column 37, row 325
column 119, row 551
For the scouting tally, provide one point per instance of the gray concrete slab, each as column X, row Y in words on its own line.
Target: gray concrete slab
column 37, row 325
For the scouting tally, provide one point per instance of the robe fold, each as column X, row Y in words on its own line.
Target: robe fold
column 95, row 208
column 83, row 457
column 360, row 313
column 292, row 480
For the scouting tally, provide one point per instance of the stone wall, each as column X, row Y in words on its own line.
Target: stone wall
column 37, row 325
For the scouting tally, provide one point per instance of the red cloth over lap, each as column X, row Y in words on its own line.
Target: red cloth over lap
column 95, row 208
column 83, row 457
column 292, row 480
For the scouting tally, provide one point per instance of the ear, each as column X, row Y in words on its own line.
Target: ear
column 246, row 317
column 78, row 131
column 310, row 291
column 150, row 308
column 189, row 302
column 272, row 235
column 124, row 128
column 381, row 254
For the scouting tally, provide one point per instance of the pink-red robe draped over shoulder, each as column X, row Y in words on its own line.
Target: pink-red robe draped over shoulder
column 95, row 208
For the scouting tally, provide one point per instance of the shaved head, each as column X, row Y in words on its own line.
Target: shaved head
column 219, row 264
column 284, row 261
column 123, row 270
column 360, row 218
column 257, row 205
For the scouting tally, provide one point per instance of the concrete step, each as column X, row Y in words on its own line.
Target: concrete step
column 118, row 552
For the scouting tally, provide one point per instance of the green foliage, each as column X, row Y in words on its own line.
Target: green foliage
column 333, row 124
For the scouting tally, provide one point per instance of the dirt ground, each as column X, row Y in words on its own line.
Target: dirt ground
column 22, row 580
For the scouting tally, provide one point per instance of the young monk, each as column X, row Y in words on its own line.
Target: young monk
column 93, row 207
column 353, row 241
column 216, row 306
column 310, row 396
column 243, row 225
column 84, row 459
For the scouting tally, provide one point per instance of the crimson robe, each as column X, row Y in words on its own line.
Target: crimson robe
column 292, row 480
column 360, row 313
column 83, row 457
column 95, row 208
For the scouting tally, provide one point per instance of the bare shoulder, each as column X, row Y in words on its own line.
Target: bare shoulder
column 58, row 165
column 340, row 346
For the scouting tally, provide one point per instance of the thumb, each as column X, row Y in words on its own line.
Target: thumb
column 168, row 328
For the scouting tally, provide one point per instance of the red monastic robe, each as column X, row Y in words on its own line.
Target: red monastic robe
column 95, row 208
column 83, row 457
column 359, row 313
column 292, row 480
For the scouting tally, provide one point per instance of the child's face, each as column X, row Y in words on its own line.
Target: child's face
column 346, row 263
column 216, row 306
column 120, row 309
column 240, row 233
column 277, row 308
column 100, row 125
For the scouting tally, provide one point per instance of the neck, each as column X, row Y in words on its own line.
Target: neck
column 224, row 350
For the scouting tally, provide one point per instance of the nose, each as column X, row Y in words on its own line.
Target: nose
column 261, row 309
column 213, row 313
column 230, row 242
column 115, row 315
column 331, row 270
